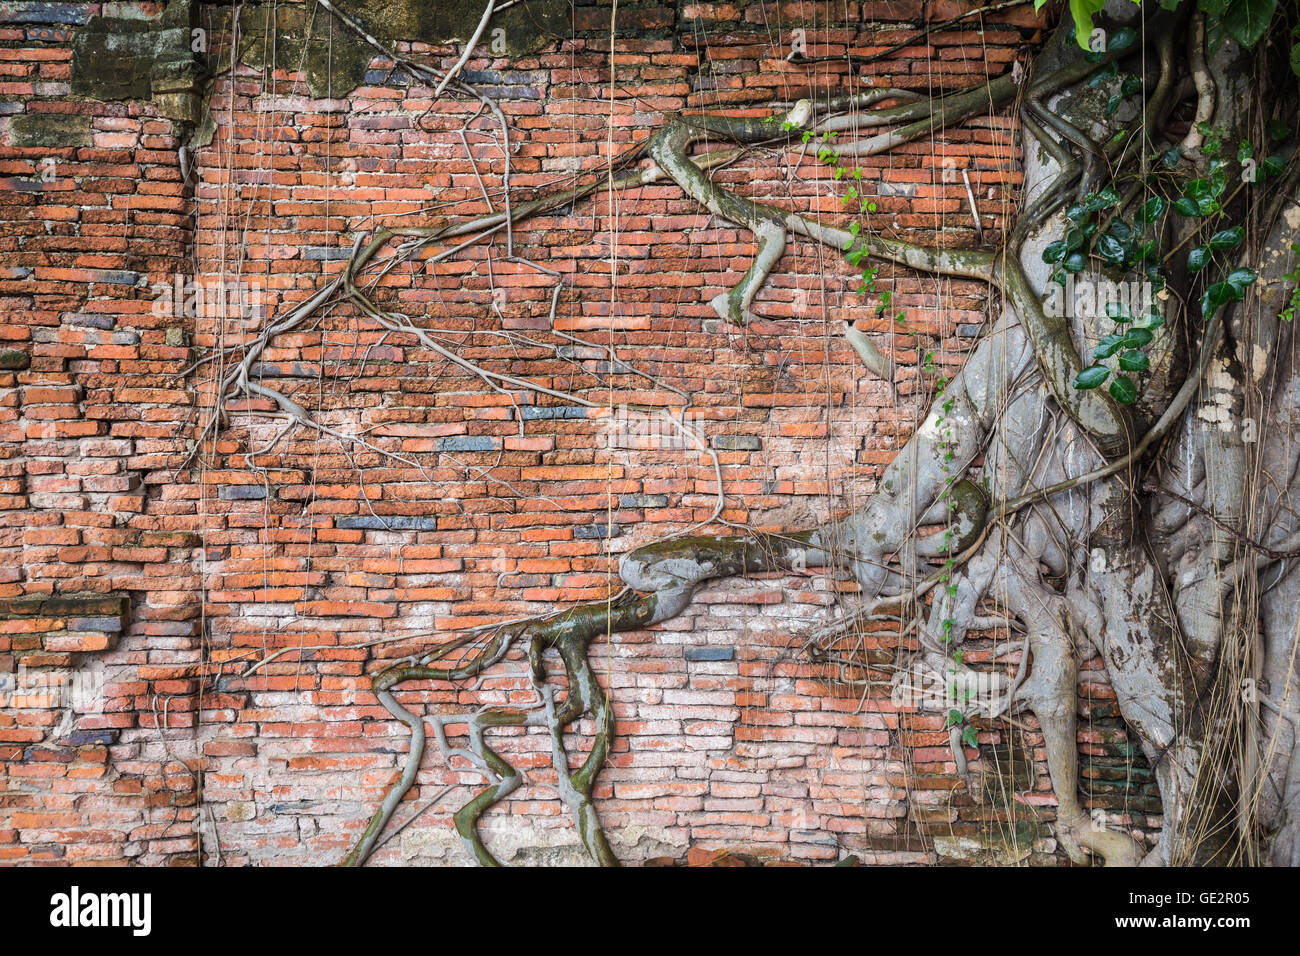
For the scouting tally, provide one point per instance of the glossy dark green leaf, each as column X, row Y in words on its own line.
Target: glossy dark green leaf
column 1198, row 259
column 1123, row 390
column 1122, row 39
column 1074, row 262
column 1186, row 207
column 1108, row 346
column 1091, row 377
column 1055, row 252
column 1134, row 361
column 1238, row 279
column 1105, row 73
column 1171, row 157
column 1150, row 210
column 1110, row 249
column 1137, row 337
column 1227, row 238
column 1247, row 20
column 1119, row 312
column 1218, row 178
column 1215, row 296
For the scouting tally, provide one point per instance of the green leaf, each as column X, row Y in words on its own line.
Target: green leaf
column 1055, row 252
column 1198, row 259
column 1247, row 20
column 1171, row 157
column 1186, row 207
column 1122, row 39
column 1137, row 337
column 1082, row 11
column 1110, row 70
column 1074, row 262
column 1273, row 166
column 1123, row 390
column 1218, row 178
column 1091, row 377
column 1150, row 210
column 1245, row 151
column 1131, row 86
column 1227, row 238
column 968, row 737
column 1277, row 130
column 1295, row 59
column 1108, row 346
column 1110, row 249
column 1238, row 279
column 1118, row 312
column 1134, row 361
column 1215, row 296
column 1112, row 104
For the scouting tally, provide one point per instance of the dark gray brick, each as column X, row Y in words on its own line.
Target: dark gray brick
column 387, row 523
column 104, row 625
column 242, row 493
column 601, row 530
column 643, row 501
column 469, row 443
column 738, row 442
column 534, row 412
column 710, row 653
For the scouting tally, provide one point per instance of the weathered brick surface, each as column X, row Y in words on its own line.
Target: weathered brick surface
column 726, row 740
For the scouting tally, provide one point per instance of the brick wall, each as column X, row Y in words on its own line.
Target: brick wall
column 728, row 740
